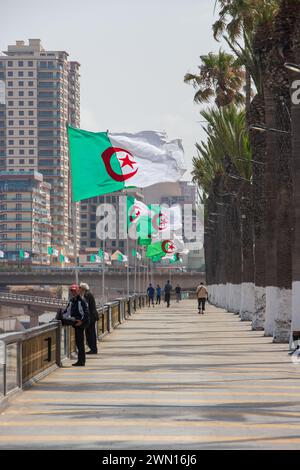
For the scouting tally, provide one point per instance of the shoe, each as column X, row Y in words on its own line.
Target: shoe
column 92, row 352
column 78, row 364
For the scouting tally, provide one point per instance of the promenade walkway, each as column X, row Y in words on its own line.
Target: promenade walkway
column 166, row 379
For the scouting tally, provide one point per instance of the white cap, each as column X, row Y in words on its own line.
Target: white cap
column 84, row 285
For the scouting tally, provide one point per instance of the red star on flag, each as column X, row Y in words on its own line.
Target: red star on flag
column 127, row 162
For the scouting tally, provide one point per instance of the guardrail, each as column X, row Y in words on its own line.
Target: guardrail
column 32, row 299
column 27, row 356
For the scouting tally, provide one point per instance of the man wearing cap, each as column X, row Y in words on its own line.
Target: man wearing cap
column 90, row 331
column 77, row 308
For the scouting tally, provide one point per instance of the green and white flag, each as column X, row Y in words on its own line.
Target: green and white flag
column 50, row 250
column 24, row 254
column 61, row 258
column 102, row 162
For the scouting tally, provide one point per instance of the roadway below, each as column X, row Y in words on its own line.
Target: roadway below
column 166, row 379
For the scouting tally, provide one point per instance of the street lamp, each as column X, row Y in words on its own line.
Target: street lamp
column 292, row 67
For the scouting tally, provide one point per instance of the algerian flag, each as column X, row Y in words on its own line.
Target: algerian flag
column 50, row 250
column 122, row 257
column 95, row 258
column 1, row 254
column 167, row 219
column 166, row 247
column 24, row 254
column 102, row 163
column 61, row 258
column 136, row 209
column 55, row 252
column 67, row 259
column 138, row 255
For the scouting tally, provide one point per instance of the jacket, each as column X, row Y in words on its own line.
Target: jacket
column 78, row 309
column 201, row 292
column 168, row 289
column 94, row 316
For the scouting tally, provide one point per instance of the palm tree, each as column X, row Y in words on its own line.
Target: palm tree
column 220, row 76
column 223, row 169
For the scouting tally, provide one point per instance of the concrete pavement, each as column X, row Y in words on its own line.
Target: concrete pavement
column 166, row 379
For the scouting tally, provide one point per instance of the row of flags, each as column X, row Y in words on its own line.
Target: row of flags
column 22, row 254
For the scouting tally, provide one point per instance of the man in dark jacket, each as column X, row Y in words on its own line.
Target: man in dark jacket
column 168, row 289
column 90, row 331
column 77, row 308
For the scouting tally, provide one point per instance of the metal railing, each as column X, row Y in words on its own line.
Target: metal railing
column 32, row 299
column 27, row 356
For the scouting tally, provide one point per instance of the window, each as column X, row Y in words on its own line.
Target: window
column 10, row 83
column 31, row 160
column 10, row 93
column 30, row 83
column 21, row 93
column 18, row 226
column 21, row 132
column 11, row 152
column 21, row 113
column 18, row 196
column 31, row 152
column 31, row 142
column 21, row 152
column 18, row 246
column 10, row 132
column 31, row 123
column 30, row 63
column 10, row 113
column 10, row 123
column 20, row 63
column 18, row 236
column 10, row 74
column 83, row 234
column 10, row 103
column 18, row 205
column 18, row 216
column 21, row 83
column 21, row 74
column 30, row 113
column 30, row 103
column 30, row 93
column 31, row 132
column 21, row 142
column 30, row 74
column 21, row 103
column 11, row 142
column 11, row 162
column 21, row 123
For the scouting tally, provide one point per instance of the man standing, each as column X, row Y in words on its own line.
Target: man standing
column 77, row 308
column 90, row 331
column 168, row 289
column 202, row 294
column 158, row 294
column 178, row 293
column 150, row 293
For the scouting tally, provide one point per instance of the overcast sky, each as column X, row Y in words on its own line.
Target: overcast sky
column 133, row 56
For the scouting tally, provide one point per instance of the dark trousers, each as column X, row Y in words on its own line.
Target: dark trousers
column 201, row 304
column 158, row 299
column 91, row 337
column 79, row 339
column 167, row 298
column 150, row 300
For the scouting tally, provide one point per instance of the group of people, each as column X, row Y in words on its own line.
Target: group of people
column 201, row 293
column 155, row 293
column 81, row 312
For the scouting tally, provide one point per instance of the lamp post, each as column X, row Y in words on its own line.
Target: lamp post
column 263, row 128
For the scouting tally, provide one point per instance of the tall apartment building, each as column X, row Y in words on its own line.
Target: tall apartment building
column 39, row 95
column 25, row 222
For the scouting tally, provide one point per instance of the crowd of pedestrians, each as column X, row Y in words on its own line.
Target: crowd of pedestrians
column 81, row 312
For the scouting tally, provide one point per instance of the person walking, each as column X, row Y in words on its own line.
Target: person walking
column 158, row 294
column 90, row 331
column 202, row 294
column 178, row 293
column 78, row 309
column 150, row 293
column 168, row 289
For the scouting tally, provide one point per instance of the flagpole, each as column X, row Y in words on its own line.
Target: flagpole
column 139, row 271
column 103, row 261
column 135, row 261
column 128, row 257
column 75, row 242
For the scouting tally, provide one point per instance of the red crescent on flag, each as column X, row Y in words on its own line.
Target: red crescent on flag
column 162, row 222
column 134, row 213
column 164, row 246
column 106, row 156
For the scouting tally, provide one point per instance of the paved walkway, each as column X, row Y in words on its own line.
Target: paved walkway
column 166, row 379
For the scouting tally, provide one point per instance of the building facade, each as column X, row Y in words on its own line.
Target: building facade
column 39, row 96
column 25, row 221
